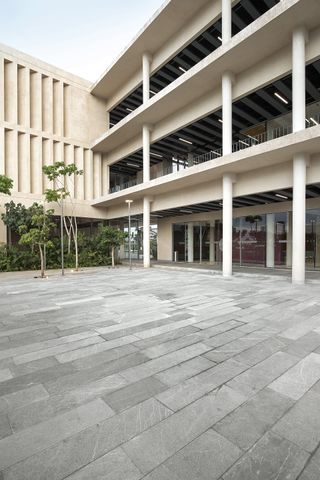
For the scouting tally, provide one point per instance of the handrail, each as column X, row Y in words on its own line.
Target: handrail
column 246, row 142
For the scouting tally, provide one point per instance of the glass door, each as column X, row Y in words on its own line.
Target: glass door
column 313, row 239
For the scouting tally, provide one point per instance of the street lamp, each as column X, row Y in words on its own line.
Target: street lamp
column 129, row 230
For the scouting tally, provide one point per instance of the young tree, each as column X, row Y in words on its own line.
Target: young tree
column 110, row 238
column 39, row 234
column 6, row 185
column 60, row 173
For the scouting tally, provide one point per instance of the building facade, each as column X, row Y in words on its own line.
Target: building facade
column 208, row 122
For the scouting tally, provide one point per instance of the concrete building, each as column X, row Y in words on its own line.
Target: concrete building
column 208, row 122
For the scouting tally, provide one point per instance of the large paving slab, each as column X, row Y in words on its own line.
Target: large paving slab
column 159, row 375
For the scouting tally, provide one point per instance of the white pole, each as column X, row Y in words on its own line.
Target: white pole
column 270, row 240
column 227, row 80
column 146, row 62
column 146, row 152
column 226, row 21
column 299, row 37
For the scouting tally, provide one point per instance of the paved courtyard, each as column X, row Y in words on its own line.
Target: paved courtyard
column 159, row 375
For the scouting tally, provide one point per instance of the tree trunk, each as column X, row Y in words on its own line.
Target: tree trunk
column 75, row 236
column 41, row 261
column 112, row 256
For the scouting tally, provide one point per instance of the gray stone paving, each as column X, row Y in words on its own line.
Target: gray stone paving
column 159, row 375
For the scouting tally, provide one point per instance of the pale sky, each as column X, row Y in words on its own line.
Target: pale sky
column 80, row 36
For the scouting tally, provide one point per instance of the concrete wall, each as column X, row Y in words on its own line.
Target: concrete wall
column 47, row 115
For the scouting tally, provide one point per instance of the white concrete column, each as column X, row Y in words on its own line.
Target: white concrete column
column 270, row 240
column 289, row 239
column 299, row 38
column 190, row 242
column 299, row 217
column 146, row 232
column 226, row 20
column 24, row 96
column 227, row 80
column 211, row 245
column 146, row 130
column 227, row 187
column 2, row 91
column 146, row 64
column 105, row 175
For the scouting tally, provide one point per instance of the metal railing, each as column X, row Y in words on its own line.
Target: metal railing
column 123, row 186
column 246, row 142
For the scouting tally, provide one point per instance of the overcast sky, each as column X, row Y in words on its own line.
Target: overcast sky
column 80, row 36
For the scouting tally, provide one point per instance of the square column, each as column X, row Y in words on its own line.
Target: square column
column 146, row 232
column 146, row 131
column 190, row 242
column 146, row 67
column 300, row 161
column 227, row 192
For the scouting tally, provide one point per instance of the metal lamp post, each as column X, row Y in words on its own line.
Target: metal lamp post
column 129, row 231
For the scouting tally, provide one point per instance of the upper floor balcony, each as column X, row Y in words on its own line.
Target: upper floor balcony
column 244, row 13
column 259, row 117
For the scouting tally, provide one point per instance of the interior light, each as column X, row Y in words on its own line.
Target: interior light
column 244, row 143
column 314, row 121
column 153, row 93
column 308, row 121
column 186, row 141
column 186, row 211
column 133, row 165
column 156, row 154
column 221, row 121
column 281, row 196
column 129, row 109
column 182, row 69
column 284, row 100
column 219, row 38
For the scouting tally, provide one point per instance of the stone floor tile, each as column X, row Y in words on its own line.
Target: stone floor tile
column 63, row 459
column 272, row 458
column 5, row 428
column 22, row 397
column 205, row 458
column 260, row 352
column 43, row 410
column 39, row 376
column 82, row 377
column 300, row 378
column 185, row 370
column 134, row 393
column 171, row 346
column 301, row 424
column 190, row 390
column 115, row 465
column 304, row 345
column 103, row 357
column 34, row 439
column 246, row 425
column 5, row 374
column 49, row 352
column 262, row 374
column 160, row 442
column 164, row 337
column 162, row 363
